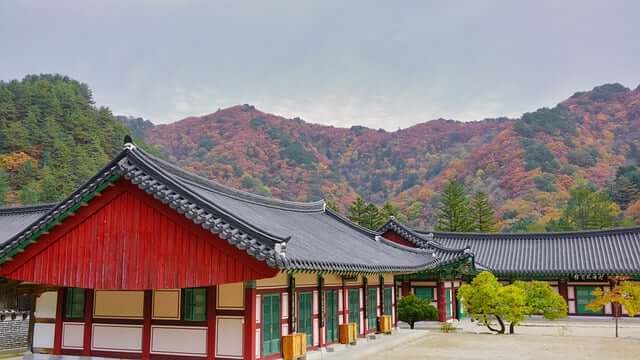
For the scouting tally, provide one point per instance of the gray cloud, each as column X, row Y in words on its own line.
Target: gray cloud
column 380, row 64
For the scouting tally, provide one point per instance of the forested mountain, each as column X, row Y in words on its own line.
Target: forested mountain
column 52, row 138
column 526, row 165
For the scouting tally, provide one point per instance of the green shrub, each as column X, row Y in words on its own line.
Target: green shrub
column 411, row 309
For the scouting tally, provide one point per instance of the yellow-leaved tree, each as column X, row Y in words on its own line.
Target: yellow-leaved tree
column 625, row 294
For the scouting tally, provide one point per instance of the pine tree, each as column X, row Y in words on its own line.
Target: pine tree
column 357, row 211
column 482, row 213
column 586, row 209
column 625, row 192
column 453, row 215
column 28, row 194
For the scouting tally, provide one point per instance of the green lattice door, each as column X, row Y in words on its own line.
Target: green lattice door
column 583, row 297
column 372, row 311
column 331, row 307
column 270, row 324
column 354, row 307
column 305, row 316
column 424, row 293
column 387, row 301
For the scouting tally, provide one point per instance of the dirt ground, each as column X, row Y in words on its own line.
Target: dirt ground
column 522, row 347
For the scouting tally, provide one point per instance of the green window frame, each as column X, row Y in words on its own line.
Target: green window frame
column 194, row 304
column 448, row 302
column 354, row 306
column 305, row 315
column 583, row 297
column 74, row 303
column 387, row 301
column 424, row 293
column 270, row 324
column 372, row 308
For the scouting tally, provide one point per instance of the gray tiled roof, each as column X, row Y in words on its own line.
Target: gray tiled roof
column 602, row 252
column 15, row 219
column 287, row 235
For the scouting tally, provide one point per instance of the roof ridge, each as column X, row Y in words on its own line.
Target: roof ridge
column 542, row 235
column 210, row 185
column 7, row 210
column 352, row 224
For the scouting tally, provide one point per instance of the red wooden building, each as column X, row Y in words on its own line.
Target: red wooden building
column 148, row 261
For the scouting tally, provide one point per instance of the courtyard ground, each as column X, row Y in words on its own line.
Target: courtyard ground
column 577, row 338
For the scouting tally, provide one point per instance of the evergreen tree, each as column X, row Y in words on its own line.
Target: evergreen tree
column 624, row 192
column 482, row 213
column 4, row 186
column 453, row 214
column 28, row 194
column 388, row 211
column 357, row 211
column 332, row 204
column 586, row 209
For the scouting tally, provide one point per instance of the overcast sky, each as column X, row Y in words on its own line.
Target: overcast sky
column 384, row 64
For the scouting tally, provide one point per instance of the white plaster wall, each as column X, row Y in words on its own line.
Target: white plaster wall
column 72, row 335
column 43, row 335
column 571, row 292
column 315, row 302
column 258, row 343
column 258, row 308
column 179, row 340
column 46, row 305
column 285, row 329
column 285, row 305
column 316, row 332
column 117, row 337
column 572, row 307
column 229, row 336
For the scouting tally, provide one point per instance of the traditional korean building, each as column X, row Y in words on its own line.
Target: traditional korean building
column 148, row 261
column 574, row 263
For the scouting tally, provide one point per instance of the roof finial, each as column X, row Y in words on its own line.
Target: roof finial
column 128, row 143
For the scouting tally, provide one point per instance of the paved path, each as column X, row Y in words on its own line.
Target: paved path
column 577, row 338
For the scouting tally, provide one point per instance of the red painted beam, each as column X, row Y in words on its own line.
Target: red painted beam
column 146, row 327
column 211, row 322
column 57, row 334
column 249, row 348
column 88, row 322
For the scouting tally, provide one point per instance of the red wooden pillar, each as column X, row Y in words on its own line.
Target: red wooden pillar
column 249, row 348
column 321, row 312
column 146, row 324
column 365, row 312
column 88, row 321
column 211, row 322
column 406, row 288
column 442, row 302
column 57, row 332
column 345, row 304
column 381, row 291
column 563, row 290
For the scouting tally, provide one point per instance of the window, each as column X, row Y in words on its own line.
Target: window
column 372, row 308
column 304, row 316
column 424, row 293
column 270, row 324
column 387, row 301
column 74, row 303
column 331, row 307
column 195, row 304
column 448, row 302
column 354, row 306
column 584, row 295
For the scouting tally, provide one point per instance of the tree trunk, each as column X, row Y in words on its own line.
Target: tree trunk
column 512, row 327
column 501, row 329
column 412, row 324
column 616, row 323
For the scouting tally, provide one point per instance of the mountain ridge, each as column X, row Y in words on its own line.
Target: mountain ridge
column 526, row 164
